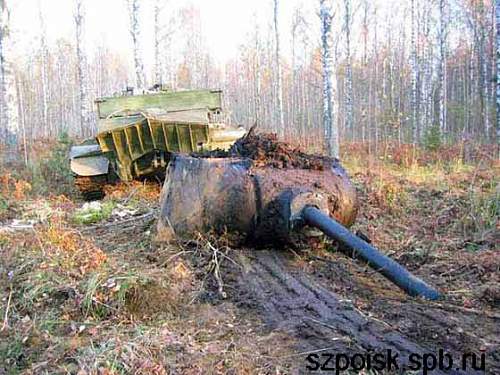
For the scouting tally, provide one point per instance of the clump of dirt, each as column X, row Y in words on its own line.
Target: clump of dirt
column 266, row 151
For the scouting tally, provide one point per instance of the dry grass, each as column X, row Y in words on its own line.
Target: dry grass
column 71, row 306
column 440, row 219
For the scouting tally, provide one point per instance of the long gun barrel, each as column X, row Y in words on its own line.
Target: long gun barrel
column 381, row 263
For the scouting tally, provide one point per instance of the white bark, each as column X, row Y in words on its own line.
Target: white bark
column 365, row 102
column 8, row 94
column 133, row 7
column 414, row 76
column 158, row 68
column 85, row 110
column 426, row 75
column 44, row 72
column 443, row 52
column 349, row 117
column 279, row 79
column 329, row 81
column 22, row 123
column 497, row 14
column 257, row 70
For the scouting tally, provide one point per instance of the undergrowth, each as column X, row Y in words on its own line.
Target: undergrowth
column 94, row 212
column 51, row 174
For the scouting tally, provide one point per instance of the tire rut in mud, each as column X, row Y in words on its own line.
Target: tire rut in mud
column 288, row 300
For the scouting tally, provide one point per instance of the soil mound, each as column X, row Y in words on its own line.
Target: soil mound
column 266, row 151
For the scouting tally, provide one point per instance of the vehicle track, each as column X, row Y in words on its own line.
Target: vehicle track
column 291, row 301
column 91, row 187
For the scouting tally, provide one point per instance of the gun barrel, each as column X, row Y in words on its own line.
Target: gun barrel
column 381, row 263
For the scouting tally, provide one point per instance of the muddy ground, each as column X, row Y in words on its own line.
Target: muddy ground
column 336, row 304
column 312, row 304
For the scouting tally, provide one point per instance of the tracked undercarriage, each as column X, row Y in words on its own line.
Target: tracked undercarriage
column 91, row 187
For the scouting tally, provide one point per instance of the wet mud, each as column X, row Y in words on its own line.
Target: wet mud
column 331, row 309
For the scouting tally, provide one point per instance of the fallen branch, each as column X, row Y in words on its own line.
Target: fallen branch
column 149, row 216
column 6, row 317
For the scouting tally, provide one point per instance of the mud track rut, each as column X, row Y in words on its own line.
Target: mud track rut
column 290, row 301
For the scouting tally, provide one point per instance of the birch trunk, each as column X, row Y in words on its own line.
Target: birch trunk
column 349, row 120
column 414, row 77
column 257, row 70
column 85, row 111
column 279, row 79
column 442, row 87
column 426, row 71
column 44, row 73
column 365, row 104
column 329, row 82
column 158, row 69
column 133, row 7
column 8, row 95
column 497, row 14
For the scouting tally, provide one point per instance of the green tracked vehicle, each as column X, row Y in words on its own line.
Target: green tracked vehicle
column 137, row 134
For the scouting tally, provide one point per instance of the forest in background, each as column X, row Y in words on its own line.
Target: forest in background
column 423, row 73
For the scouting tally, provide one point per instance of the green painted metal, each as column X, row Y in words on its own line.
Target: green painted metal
column 138, row 133
column 168, row 101
column 129, row 144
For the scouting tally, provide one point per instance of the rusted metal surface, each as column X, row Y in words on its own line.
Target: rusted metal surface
column 270, row 204
column 219, row 194
column 201, row 195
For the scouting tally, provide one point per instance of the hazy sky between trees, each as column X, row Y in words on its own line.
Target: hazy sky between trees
column 226, row 24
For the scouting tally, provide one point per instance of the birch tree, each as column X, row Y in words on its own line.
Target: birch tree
column 442, row 87
column 158, row 68
column 441, row 71
column 8, row 93
column 257, row 74
column 44, row 69
column 279, row 78
column 497, row 18
column 4, row 30
column 133, row 8
column 329, row 80
column 426, row 71
column 364, row 78
column 414, row 76
column 85, row 110
column 349, row 119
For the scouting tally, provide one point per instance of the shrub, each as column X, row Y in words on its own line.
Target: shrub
column 52, row 174
column 432, row 138
column 482, row 216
